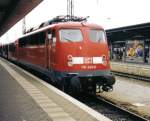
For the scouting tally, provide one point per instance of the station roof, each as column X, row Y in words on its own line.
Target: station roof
column 11, row 11
column 138, row 31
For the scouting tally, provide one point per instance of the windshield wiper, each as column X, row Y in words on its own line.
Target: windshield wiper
column 68, row 39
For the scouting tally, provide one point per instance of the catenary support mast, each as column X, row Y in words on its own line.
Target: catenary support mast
column 70, row 9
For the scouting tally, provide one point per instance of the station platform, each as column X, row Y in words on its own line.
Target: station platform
column 24, row 97
column 131, row 68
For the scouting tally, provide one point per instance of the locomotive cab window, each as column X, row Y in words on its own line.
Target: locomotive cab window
column 70, row 35
column 97, row 35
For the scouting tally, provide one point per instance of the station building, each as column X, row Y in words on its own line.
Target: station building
column 130, row 43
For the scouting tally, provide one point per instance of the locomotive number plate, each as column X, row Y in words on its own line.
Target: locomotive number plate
column 91, row 67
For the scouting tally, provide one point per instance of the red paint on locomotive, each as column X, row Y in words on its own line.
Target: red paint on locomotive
column 73, row 54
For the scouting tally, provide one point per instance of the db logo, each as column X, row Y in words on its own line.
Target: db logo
column 88, row 60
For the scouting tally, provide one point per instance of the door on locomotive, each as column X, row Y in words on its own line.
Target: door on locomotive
column 51, row 49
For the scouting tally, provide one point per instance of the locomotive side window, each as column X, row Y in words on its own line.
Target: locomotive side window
column 33, row 40
column 12, row 47
column 70, row 35
column 97, row 35
column 41, row 37
column 37, row 39
column 23, row 42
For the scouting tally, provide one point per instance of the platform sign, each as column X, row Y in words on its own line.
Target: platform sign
column 135, row 50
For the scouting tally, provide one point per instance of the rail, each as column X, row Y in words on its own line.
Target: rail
column 142, row 78
column 111, row 110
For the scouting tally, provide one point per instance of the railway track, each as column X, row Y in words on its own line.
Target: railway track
column 131, row 76
column 110, row 110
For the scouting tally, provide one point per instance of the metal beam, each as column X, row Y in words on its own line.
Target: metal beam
column 17, row 13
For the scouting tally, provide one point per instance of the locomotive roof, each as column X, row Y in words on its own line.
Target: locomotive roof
column 77, row 24
column 64, row 25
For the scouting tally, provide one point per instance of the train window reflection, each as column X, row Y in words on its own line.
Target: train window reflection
column 70, row 35
column 96, row 35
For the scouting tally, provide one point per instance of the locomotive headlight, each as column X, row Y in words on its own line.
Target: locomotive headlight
column 70, row 60
column 104, row 60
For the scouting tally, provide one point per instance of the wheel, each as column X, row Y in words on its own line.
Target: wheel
column 62, row 85
column 75, row 85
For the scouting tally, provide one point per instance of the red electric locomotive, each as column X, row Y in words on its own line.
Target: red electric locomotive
column 73, row 54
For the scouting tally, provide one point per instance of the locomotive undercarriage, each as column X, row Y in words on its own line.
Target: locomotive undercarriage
column 79, row 82
column 97, row 84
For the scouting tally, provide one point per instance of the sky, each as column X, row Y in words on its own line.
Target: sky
column 107, row 13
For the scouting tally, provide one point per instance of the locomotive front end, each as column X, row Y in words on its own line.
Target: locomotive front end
column 83, row 59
